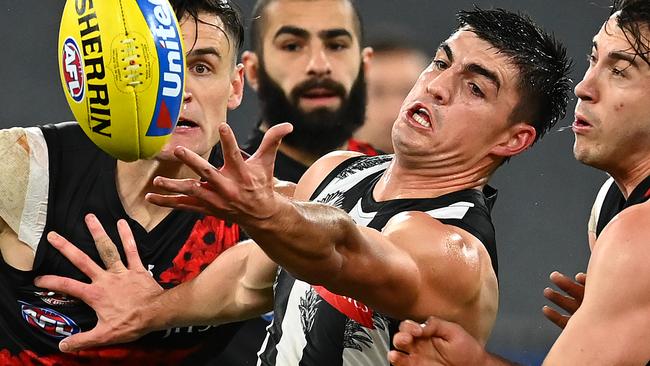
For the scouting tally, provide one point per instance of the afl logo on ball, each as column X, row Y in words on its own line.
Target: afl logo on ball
column 73, row 70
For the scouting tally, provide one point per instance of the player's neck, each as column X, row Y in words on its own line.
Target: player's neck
column 404, row 181
column 628, row 179
column 135, row 179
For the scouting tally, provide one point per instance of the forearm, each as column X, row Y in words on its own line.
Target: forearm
column 310, row 240
column 236, row 286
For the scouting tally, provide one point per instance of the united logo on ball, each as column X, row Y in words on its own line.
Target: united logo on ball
column 122, row 67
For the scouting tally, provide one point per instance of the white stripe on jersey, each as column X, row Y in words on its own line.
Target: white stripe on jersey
column 375, row 355
column 293, row 339
column 456, row 210
column 598, row 205
column 344, row 184
column 360, row 217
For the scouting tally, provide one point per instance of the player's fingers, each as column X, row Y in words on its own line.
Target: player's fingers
column 65, row 285
column 403, row 341
column 232, row 155
column 411, row 327
column 555, row 317
column 129, row 245
column 180, row 202
column 80, row 341
column 567, row 303
column 566, row 284
column 180, row 186
column 200, row 166
column 436, row 327
column 397, row 358
column 74, row 255
column 105, row 246
column 581, row 278
column 270, row 143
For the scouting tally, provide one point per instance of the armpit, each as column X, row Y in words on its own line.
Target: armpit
column 24, row 182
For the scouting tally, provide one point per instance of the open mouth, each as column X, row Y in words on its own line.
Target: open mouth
column 421, row 116
column 186, row 123
column 581, row 123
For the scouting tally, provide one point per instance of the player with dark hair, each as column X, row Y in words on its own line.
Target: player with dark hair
column 611, row 322
column 412, row 219
column 307, row 65
column 53, row 175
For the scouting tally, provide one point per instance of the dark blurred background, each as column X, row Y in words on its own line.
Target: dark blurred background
column 545, row 195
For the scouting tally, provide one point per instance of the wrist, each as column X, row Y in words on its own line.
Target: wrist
column 273, row 218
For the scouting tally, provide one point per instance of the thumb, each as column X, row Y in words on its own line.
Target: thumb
column 82, row 341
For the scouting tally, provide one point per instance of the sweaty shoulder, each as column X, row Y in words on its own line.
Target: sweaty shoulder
column 628, row 228
column 442, row 249
column 318, row 171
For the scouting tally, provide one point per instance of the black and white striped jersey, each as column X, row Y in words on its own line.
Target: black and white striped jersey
column 610, row 201
column 314, row 326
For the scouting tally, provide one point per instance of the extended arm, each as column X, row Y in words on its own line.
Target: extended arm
column 401, row 271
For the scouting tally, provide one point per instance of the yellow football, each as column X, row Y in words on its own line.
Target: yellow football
column 122, row 67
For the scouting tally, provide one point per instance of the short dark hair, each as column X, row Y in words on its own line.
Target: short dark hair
column 226, row 10
column 633, row 18
column 257, row 23
column 543, row 83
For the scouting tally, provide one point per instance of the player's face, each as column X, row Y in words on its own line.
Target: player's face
column 315, row 40
column 612, row 126
column 390, row 78
column 457, row 115
column 213, row 84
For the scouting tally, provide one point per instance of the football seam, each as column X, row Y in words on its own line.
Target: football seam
column 135, row 95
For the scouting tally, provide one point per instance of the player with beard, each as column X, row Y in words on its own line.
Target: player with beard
column 384, row 238
column 307, row 67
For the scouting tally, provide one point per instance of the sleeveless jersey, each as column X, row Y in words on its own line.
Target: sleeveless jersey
column 610, row 201
column 80, row 179
column 313, row 326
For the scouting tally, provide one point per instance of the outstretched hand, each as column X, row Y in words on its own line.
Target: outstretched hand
column 436, row 342
column 116, row 294
column 241, row 190
column 570, row 302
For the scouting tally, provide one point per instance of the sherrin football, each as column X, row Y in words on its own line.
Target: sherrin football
column 122, row 66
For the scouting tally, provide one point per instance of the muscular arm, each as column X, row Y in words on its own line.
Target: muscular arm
column 612, row 325
column 402, row 271
column 236, row 286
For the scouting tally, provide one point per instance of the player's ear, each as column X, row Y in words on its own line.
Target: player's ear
column 366, row 58
column 519, row 137
column 251, row 67
column 236, row 87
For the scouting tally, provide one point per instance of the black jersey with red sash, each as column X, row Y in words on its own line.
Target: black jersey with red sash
column 82, row 180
